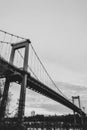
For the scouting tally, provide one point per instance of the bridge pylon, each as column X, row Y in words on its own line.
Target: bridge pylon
column 73, row 100
column 21, row 107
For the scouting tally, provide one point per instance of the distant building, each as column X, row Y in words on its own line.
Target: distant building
column 33, row 113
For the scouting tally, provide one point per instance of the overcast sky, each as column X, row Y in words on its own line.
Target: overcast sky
column 58, row 32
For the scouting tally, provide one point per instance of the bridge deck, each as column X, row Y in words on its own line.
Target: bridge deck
column 6, row 69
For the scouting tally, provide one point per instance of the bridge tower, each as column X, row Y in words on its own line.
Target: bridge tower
column 20, row 45
column 73, row 100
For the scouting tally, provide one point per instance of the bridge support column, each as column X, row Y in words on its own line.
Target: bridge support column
column 23, row 44
column 4, row 98
column 81, row 116
column 22, row 99
column 21, row 107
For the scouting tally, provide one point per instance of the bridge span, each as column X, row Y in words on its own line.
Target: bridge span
column 15, row 75
column 26, row 76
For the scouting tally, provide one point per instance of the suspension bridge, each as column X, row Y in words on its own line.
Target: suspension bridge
column 20, row 63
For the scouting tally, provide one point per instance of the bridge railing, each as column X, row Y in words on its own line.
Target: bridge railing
column 35, row 66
